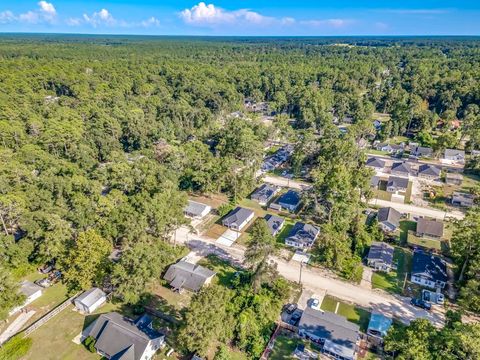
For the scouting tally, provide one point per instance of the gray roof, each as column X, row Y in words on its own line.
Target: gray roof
column 375, row 180
column 454, row 176
column 402, row 167
column 28, row 288
column 426, row 169
column 237, row 216
column 303, row 233
column 423, row 151
column 381, row 251
column 188, row 276
column 428, row 266
column 397, row 182
column 274, row 222
column 195, row 208
column 291, row 197
column 264, row 193
column 430, row 227
column 340, row 335
column 375, row 162
column 454, row 152
column 389, row 214
column 91, row 296
column 120, row 337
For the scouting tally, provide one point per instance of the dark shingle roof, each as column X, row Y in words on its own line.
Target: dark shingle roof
column 291, row 197
column 401, row 167
column 426, row 169
column 381, row 251
column 454, row 152
column 188, row 276
column 264, row 193
column 430, row 227
column 274, row 222
column 120, row 338
column 375, row 162
column 303, row 233
column 237, row 216
column 423, row 151
column 397, row 182
column 389, row 214
column 195, row 208
column 429, row 266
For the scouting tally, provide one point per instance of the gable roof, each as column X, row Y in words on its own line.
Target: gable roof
column 120, row 338
column 453, row 176
column 340, row 335
column 429, row 266
column 291, row 197
column 423, row 151
column 430, row 227
column 389, row 214
column 196, row 208
column 264, row 192
column 274, row 222
column 397, row 182
column 375, row 180
column 29, row 288
column 91, row 296
column 237, row 216
column 380, row 323
column 427, row 169
column 381, row 251
column 454, row 152
column 303, row 233
column 402, row 167
column 375, row 162
column 188, row 276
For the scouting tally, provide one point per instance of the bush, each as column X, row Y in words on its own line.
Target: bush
column 89, row 343
column 16, row 348
column 225, row 209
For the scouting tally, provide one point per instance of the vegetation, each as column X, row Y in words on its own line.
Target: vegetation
column 15, row 348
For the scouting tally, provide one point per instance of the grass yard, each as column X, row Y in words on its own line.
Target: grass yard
column 408, row 194
column 253, row 205
column 382, row 195
column 470, row 181
column 354, row 314
column 414, row 240
column 225, row 272
column 289, row 224
column 284, row 347
column 405, row 227
column 393, row 281
column 377, row 152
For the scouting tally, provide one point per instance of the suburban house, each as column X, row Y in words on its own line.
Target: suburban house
column 375, row 181
column 290, row 200
column 454, row 155
column 184, row 275
column 118, row 337
column 337, row 336
column 396, row 184
column 196, row 210
column 428, row 270
column 392, row 149
column 380, row 256
column 264, row 194
column 420, row 151
column 463, row 199
column 454, row 178
column 302, row 236
column 388, row 219
column 31, row 292
column 375, row 163
column 429, row 172
column 238, row 218
column 429, row 228
column 379, row 325
column 401, row 169
column 90, row 300
column 275, row 223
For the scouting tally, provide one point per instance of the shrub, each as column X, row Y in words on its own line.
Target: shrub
column 89, row 343
column 224, row 209
column 16, row 348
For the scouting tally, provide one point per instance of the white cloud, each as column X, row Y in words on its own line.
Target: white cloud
column 47, row 8
column 31, row 17
column 416, row 11
column 45, row 13
column 331, row 23
column 7, row 17
column 73, row 21
column 150, row 22
column 102, row 17
column 203, row 14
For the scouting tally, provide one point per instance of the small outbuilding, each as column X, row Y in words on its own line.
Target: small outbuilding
column 379, row 325
column 90, row 300
column 196, row 210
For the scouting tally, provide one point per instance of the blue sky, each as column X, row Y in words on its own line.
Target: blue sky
column 221, row 17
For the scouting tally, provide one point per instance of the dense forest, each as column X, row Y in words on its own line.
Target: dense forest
column 102, row 138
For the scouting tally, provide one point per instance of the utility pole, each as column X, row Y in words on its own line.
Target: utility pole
column 300, row 277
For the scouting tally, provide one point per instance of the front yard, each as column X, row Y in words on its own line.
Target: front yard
column 354, row 314
column 394, row 280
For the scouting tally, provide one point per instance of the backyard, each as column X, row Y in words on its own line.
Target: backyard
column 393, row 281
column 354, row 314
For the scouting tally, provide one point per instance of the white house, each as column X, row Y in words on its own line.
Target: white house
column 90, row 300
column 238, row 218
column 196, row 210
column 429, row 270
column 31, row 292
column 454, row 156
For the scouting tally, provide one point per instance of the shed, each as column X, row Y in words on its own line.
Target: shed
column 90, row 300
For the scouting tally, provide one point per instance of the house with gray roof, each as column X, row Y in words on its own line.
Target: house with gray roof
column 196, row 210
column 454, row 178
column 428, row 270
column 388, row 219
column 184, row 275
column 238, row 218
column 302, row 236
column 90, row 300
column 429, row 172
column 274, row 223
column 118, row 337
column 396, row 184
column 462, row 199
column 454, row 155
column 337, row 336
column 375, row 181
column 429, row 228
column 375, row 163
column 421, row 151
column 264, row 194
column 290, row 200
column 401, row 169
column 30, row 291
column 393, row 149
column 380, row 256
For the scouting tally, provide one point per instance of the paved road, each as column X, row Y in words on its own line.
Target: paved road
column 417, row 210
column 282, row 181
column 319, row 281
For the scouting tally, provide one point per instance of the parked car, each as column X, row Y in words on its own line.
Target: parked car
column 295, row 318
column 314, row 303
column 55, row 276
column 421, row 304
column 291, row 308
column 45, row 282
column 433, row 297
column 45, row 269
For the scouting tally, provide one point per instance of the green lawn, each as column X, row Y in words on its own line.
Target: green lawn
column 405, row 226
column 225, row 272
column 438, row 245
column 393, row 281
column 289, row 224
column 353, row 314
column 283, row 348
column 377, row 152
column 382, row 195
column 408, row 194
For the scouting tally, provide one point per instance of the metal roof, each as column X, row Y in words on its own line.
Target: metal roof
column 90, row 297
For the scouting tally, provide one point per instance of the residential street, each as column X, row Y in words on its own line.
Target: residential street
column 284, row 182
column 419, row 211
column 318, row 281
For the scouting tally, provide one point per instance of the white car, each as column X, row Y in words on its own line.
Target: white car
column 314, row 303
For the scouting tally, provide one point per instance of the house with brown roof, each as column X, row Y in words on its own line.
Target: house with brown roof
column 429, row 228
